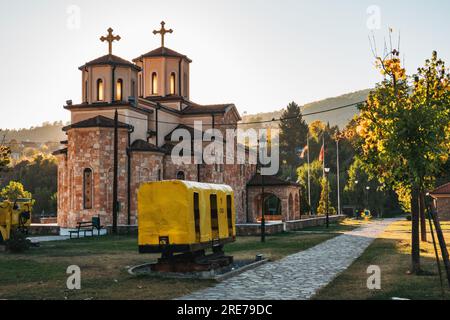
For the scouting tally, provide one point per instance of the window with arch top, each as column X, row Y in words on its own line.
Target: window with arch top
column 172, row 83
column 133, row 88
column 119, row 90
column 86, row 92
column 141, row 86
column 185, row 84
column 87, row 188
column 180, row 175
column 154, row 83
column 100, row 90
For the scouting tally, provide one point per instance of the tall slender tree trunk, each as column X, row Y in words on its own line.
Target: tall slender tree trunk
column 423, row 221
column 442, row 244
column 415, row 239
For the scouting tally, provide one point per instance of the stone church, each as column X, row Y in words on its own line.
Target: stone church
column 151, row 95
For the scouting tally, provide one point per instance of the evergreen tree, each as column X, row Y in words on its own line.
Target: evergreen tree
column 293, row 134
column 324, row 197
column 316, row 173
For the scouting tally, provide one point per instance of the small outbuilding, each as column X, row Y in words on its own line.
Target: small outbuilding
column 281, row 199
column 441, row 197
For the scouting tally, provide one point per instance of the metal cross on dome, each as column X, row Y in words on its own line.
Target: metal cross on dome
column 110, row 39
column 163, row 32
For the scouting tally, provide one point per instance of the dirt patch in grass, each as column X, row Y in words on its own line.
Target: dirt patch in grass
column 391, row 252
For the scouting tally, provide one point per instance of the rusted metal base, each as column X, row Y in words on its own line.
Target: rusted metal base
column 192, row 262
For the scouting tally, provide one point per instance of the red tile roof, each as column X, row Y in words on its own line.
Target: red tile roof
column 110, row 59
column 144, row 146
column 444, row 189
column 61, row 151
column 212, row 108
column 163, row 52
column 257, row 181
column 98, row 121
column 191, row 131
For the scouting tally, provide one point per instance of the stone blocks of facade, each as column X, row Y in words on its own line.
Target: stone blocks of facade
column 91, row 148
column 234, row 175
column 145, row 167
column 443, row 208
column 245, row 230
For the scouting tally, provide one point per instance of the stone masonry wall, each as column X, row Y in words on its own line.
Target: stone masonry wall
column 443, row 208
column 92, row 148
column 145, row 167
column 235, row 176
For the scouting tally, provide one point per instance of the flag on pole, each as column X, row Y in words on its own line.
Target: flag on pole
column 322, row 153
column 302, row 152
column 305, row 150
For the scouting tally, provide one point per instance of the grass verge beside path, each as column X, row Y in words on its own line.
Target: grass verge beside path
column 40, row 273
column 391, row 252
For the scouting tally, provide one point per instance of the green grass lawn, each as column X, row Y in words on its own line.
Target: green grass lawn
column 40, row 273
column 391, row 252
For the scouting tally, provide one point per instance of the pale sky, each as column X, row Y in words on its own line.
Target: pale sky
column 258, row 54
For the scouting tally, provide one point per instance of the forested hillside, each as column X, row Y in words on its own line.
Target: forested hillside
column 47, row 132
column 337, row 117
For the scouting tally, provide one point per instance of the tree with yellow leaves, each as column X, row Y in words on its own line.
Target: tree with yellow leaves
column 405, row 131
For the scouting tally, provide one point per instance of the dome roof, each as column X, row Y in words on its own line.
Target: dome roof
column 163, row 52
column 110, row 60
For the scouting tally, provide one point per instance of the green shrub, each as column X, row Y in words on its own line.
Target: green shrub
column 17, row 242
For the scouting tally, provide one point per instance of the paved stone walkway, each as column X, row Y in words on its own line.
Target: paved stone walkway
column 298, row 276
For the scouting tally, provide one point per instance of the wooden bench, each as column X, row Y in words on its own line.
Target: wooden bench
column 86, row 227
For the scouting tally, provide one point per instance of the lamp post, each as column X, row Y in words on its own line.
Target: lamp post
column 356, row 197
column 261, row 145
column 263, row 214
column 367, row 197
column 327, row 209
column 338, row 169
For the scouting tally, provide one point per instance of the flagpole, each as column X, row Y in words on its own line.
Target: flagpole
column 338, row 177
column 323, row 148
column 309, row 176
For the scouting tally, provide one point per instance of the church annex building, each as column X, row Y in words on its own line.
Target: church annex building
column 151, row 96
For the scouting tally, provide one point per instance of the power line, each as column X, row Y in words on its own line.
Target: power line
column 234, row 124
column 252, row 122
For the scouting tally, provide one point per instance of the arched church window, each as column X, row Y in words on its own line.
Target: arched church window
column 87, row 188
column 133, row 88
column 172, row 83
column 185, row 84
column 100, row 90
column 180, row 175
column 86, row 92
column 154, row 83
column 291, row 206
column 109, row 189
column 119, row 90
column 141, row 86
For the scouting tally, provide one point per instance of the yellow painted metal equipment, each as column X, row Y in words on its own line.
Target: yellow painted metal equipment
column 14, row 216
column 181, row 216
